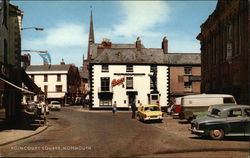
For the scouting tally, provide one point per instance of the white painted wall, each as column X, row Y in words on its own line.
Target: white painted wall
column 52, row 82
column 141, row 84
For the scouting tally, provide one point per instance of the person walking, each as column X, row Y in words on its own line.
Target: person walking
column 133, row 107
column 114, row 108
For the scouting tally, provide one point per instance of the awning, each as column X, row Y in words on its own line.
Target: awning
column 30, row 83
column 13, row 85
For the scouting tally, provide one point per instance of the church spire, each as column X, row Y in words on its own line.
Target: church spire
column 91, row 34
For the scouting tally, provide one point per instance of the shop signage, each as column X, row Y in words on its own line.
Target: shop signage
column 194, row 78
column 118, row 82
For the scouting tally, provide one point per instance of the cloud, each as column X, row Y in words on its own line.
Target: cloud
column 67, row 41
column 139, row 19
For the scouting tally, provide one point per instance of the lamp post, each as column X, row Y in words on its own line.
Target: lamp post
column 38, row 51
column 36, row 28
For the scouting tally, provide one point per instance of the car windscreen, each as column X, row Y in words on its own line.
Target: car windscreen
column 215, row 112
column 152, row 108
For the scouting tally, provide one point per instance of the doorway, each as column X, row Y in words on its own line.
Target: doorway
column 131, row 97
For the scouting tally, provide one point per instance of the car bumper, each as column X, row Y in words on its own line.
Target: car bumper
column 176, row 115
column 153, row 118
column 196, row 131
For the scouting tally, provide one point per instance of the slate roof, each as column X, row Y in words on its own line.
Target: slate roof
column 146, row 56
column 84, row 74
column 48, row 68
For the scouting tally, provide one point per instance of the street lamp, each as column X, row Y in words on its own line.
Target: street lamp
column 38, row 51
column 36, row 28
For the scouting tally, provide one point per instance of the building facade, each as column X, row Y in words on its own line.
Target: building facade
column 225, row 52
column 10, row 52
column 58, row 82
column 185, row 76
column 122, row 73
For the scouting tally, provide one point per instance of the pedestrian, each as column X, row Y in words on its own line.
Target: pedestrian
column 157, row 103
column 133, row 107
column 114, row 108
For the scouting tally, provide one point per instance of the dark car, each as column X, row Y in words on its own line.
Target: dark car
column 223, row 121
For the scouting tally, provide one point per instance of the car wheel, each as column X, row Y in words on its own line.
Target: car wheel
column 217, row 134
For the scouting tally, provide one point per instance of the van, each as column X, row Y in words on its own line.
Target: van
column 177, row 107
column 201, row 102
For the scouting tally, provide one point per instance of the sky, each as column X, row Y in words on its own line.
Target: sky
column 66, row 25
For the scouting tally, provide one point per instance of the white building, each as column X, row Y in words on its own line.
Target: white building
column 58, row 82
column 118, row 84
column 121, row 73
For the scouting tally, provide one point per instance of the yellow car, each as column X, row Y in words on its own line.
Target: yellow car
column 149, row 112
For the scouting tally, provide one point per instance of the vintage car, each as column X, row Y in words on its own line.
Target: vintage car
column 149, row 112
column 223, row 121
column 55, row 105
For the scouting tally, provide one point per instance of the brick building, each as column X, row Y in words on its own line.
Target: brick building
column 184, row 74
column 225, row 52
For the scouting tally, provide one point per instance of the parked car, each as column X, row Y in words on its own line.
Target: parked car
column 31, row 106
column 204, row 113
column 200, row 103
column 223, row 121
column 55, row 105
column 149, row 112
column 177, row 107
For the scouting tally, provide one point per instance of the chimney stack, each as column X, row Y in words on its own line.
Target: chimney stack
column 138, row 44
column 62, row 62
column 164, row 45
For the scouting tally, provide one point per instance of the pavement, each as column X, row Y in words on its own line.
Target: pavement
column 23, row 130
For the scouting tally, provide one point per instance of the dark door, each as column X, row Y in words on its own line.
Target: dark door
column 131, row 98
column 236, row 123
column 247, row 121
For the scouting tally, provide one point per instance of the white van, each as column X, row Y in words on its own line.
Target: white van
column 201, row 102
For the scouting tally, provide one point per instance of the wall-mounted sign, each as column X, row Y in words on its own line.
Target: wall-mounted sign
column 195, row 78
column 118, row 82
column 130, row 74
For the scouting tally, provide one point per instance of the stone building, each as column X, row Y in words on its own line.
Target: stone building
column 225, row 52
column 11, row 74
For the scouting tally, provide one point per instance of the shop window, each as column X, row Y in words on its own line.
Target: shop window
column 129, row 68
column 58, row 88
column 105, row 102
column 129, row 82
column 105, row 84
column 105, row 68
